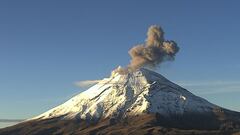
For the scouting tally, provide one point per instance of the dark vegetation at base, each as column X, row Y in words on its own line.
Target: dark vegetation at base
column 226, row 123
column 193, row 121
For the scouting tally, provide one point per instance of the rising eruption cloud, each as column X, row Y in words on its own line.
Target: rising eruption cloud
column 153, row 52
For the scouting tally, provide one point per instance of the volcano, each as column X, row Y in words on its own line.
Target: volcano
column 139, row 103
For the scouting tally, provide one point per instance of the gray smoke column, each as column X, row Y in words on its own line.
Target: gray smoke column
column 153, row 52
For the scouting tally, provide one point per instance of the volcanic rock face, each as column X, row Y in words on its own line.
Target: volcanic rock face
column 142, row 102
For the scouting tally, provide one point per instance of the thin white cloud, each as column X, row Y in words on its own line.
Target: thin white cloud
column 11, row 120
column 208, row 83
column 86, row 83
column 211, row 87
column 222, row 90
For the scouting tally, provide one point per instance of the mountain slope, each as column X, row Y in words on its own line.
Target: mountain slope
column 128, row 95
column 138, row 102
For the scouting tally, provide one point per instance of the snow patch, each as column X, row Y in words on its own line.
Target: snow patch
column 143, row 91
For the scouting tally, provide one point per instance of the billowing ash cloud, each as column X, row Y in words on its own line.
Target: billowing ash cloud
column 153, row 52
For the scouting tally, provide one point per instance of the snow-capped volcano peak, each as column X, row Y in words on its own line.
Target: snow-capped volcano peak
column 142, row 91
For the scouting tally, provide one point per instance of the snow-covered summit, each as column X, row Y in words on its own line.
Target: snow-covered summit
column 142, row 91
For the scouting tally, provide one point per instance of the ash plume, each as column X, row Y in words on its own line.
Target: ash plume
column 153, row 52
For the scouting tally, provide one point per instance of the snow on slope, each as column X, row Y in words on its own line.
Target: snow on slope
column 142, row 91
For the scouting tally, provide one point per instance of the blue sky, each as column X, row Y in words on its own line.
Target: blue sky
column 46, row 46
